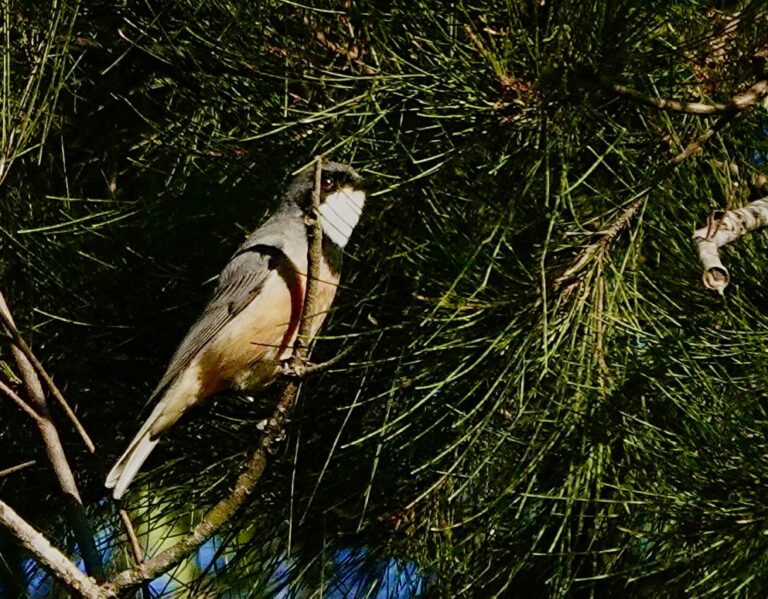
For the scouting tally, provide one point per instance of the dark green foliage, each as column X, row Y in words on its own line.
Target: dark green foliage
column 508, row 433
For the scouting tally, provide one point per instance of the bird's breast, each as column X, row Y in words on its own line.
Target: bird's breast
column 247, row 352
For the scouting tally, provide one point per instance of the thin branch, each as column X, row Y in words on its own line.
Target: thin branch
column 750, row 97
column 731, row 226
column 17, row 467
column 50, row 558
column 133, row 541
column 224, row 510
column 698, row 108
column 323, row 366
column 136, row 553
column 738, row 103
column 55, row 451
column 7, row 320
column 212, row 521
column 21, row 403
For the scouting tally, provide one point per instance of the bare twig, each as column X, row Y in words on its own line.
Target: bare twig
column 21, row 403
column 750, row 97
column 212, row 521
column 17, row 467
column 246, row 483
column 323, row 366
column 136, row 553
column 719, row 232
column 48, row 556
column 699, row 108
column 55, row 451
column 739, row 102
column 7, row 320
column 133, row 541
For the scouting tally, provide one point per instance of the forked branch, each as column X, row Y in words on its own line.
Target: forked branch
column 48, row 556
column 37, row 407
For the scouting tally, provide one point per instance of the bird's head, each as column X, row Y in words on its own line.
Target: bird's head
column 342, row 197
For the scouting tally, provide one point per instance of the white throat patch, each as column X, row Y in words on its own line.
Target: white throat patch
column 340, row 212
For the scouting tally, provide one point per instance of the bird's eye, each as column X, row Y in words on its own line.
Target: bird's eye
column 327, row 184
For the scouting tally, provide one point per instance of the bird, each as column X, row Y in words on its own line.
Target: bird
column 249, row 326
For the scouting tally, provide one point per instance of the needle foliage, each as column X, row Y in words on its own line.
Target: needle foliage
column 506, row 424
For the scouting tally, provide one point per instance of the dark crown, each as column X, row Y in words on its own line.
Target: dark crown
column 301, row 186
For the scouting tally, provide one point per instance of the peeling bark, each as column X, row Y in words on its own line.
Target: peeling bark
column 721, row 231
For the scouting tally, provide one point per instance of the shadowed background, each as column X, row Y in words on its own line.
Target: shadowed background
column 491, row 431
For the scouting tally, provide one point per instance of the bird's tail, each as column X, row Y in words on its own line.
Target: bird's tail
column 129, row 463
column 175, row 401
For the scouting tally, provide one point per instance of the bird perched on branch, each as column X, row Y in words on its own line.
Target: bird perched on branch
column 250, row 325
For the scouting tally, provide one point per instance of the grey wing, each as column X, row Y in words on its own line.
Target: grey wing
column 240, row 281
